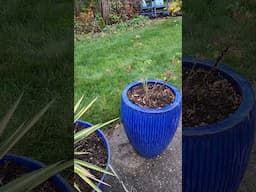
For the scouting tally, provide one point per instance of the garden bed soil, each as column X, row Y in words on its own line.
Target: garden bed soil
column 151, row 95
column 96, row 154
column 10, row 170
column 208, row 97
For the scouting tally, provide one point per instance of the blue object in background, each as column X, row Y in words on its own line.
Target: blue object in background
column 154, row 8
column 32, row 165
column 150, row 130
column 215, row 157
column 106, row 144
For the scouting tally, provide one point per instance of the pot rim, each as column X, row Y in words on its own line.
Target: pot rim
column 32, row 164
column 174, row 104
column 106, row 144
column 243, row 110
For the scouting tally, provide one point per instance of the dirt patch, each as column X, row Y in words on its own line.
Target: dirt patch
column 151, row 95
column 208, row 97
column 96, row 154
column 10, row 170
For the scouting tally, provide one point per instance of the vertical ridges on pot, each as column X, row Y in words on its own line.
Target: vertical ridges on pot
column 149, row 133
column 217, row 162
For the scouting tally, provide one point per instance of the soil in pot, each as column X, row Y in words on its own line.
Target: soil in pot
column 96, row 154
column 10, row 170
column 208, row 97
column 151, row 95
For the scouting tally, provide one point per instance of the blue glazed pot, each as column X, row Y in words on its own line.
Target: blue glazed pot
column 150, row 130
column 106, row 144
column 214, row 157
column 31, row 164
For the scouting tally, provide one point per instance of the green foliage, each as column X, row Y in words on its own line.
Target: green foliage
column 115, row 60
column 8, row 142
column 31, row 180
column 82, row 168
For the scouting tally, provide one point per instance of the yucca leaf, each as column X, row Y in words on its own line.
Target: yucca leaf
column 8, row 115
column 77, row 104
column 83, row 110
column 92, row 166
column 86, row 132
column 31, row 180
column 85, row 173
column 21, row 131
column 76, row 187
column 87, row 180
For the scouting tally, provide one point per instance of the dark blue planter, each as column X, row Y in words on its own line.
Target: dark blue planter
column 105, row 142
column 150, row 130
column 214, row 157
column 31, row 164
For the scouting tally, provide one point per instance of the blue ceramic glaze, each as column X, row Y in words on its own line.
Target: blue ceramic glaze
column 105, row 142
column 150, row 130
column 214, row 157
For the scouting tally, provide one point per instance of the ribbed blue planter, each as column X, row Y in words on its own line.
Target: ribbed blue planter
column 150, row 130
column 31, row 164
column 106, row 144
column 214, row 157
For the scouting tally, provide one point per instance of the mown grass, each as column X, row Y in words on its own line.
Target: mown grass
column 210, row 26
column 104, row 66
column 37, row 59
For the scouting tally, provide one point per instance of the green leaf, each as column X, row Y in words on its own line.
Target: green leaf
column 86, row 132
column 8, row 115
column 86, row 179
column 82, row 172
column 83, row 110
column 21, row 131
column 91, row 166
column 31, row 180
column 77, row 104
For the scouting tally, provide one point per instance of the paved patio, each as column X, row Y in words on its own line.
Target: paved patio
column 137, row 174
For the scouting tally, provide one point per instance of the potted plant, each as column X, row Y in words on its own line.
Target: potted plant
column 92, row 153
column 20, row 173
column 218, row 126
column 150, row 112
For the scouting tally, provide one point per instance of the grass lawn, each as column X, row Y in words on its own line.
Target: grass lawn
column 105, row 65
column 208, row 28
column 36, row 58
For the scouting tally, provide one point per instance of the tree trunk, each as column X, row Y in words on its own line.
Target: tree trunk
column 77, row 8
column 105, row 10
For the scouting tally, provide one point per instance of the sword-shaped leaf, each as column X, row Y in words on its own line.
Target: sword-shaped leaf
column 83, row 110
column 8, row 115
column 21, row 131
column 31, row 180
column 86, row 132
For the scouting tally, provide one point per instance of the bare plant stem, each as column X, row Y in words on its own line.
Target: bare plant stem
column 145, row 87
column 216, row 64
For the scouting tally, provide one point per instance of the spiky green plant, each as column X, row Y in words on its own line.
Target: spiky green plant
column 28, row 181
column 82, row 168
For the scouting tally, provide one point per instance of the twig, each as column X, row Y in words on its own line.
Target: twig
column 118, row 178
column 215, row 65
column 219, row 58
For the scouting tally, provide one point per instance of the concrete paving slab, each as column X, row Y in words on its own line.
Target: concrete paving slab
column 249, row 181
column 137, row 174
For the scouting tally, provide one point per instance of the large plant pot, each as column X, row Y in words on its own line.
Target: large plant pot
column 215, row 156
column 32, row 165
column 106, row 144
column 150, row 130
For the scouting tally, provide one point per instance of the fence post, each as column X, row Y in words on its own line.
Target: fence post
column 77, row 8
column 105, row 10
